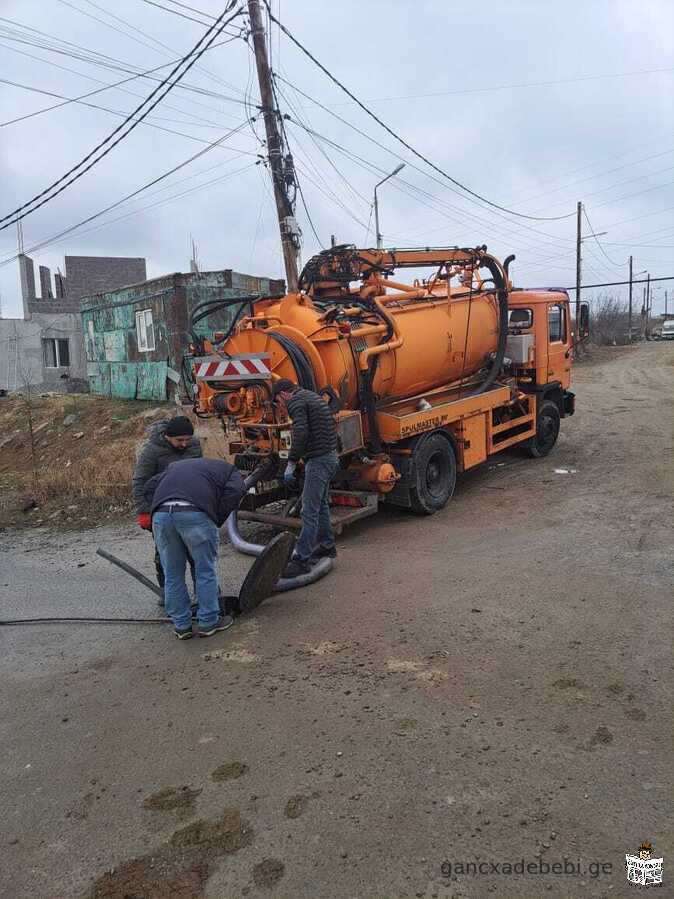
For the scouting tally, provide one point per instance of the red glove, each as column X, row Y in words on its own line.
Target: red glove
column 145, row 521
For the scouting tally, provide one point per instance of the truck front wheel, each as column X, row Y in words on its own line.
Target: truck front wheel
column 433, row 474
column 547, row 430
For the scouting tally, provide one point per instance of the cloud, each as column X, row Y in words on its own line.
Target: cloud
column 508, row 143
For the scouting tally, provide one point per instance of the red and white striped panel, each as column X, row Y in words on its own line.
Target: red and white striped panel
column 216, row 368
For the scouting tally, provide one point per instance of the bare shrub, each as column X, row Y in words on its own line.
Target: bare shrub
column 101, row 475
column 609, row 320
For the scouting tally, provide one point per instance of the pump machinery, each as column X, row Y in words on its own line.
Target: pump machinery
column 425, row 379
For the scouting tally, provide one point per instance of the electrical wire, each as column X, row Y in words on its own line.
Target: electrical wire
column 124, row 199
column 175, row 12
column 504, row 87
column 402, row 141
column 149, row 120
column 196, row 52
column 398, row 181
column 116, row 84
column 192, row 115
column 84, row 620
column 52, row 44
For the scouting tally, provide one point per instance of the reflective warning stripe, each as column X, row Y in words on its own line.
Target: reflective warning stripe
column 217, row 368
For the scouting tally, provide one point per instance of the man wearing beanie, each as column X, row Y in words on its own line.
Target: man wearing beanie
column 169, row 441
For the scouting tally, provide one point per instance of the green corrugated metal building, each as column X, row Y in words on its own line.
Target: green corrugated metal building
column 135, row 337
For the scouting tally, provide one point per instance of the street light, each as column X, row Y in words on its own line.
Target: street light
column 376, row 205
column 589, row 236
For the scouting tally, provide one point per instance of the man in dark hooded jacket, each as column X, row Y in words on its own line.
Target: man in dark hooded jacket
column 169, row 441
column 189, row 502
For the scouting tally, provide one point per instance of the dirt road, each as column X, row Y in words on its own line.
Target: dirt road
column 484, row 686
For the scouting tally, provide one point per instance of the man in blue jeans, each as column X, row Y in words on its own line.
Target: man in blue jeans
column 314, row 439
column 190, row 500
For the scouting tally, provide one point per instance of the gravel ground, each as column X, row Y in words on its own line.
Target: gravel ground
column 487, row 685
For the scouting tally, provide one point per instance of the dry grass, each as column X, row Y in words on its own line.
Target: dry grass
column 101, row 475
column 85, row 451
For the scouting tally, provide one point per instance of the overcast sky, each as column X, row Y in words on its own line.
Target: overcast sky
column 534, row 105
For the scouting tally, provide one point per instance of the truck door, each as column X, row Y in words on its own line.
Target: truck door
column 559, row 361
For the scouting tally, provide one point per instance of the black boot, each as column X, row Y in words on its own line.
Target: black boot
column 295, row 568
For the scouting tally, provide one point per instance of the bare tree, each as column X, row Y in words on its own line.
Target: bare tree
column 609, row 320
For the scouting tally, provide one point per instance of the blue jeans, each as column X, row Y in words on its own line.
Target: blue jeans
column 178, row 536
column 316, row 527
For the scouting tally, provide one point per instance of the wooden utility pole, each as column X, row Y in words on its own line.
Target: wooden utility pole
column 665, row 304
column 648, row 303
column 286, row 218
column 579, row 241
column 629, row 315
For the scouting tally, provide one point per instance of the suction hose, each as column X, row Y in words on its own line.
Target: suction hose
column 240, row 544
column 501, row 285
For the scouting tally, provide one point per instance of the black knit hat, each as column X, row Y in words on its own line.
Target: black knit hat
column 180, row 426
column 283, row 386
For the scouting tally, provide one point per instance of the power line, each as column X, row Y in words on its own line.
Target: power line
column 459, row 210
column 598, row 242
column 401, row 140
column 53, row 44
column 117, row 84
column 175, row 12
column 130, row 196
column 618, row 283
column 148, row 121
column 504, row 87
column 191, row 58
column 132, row 37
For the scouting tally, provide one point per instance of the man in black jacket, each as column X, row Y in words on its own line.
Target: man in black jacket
column 314, row 439
column 189, row 501
column 169, row 441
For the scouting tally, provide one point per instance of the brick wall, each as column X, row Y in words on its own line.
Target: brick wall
column 88, row 275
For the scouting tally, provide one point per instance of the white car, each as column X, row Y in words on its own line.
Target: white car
column 667, row 332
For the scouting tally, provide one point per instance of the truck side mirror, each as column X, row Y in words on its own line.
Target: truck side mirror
column 584, row 324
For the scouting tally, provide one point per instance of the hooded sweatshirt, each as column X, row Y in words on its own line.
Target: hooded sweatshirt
column 155, row 456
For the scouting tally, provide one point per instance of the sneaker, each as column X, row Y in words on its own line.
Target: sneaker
column 223, row 622
column 325, row 552
column 183, row 633
column 295, row 568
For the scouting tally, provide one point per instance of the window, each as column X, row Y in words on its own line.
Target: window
column 145, row 330
column 520, row 318
column 55, row 352
column 556, row 324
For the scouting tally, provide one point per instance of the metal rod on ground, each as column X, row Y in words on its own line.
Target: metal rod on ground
column 132, row 571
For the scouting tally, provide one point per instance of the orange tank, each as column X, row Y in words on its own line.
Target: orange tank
column 436, row 340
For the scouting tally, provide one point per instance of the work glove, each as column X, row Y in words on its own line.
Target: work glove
column 145, row 521
column 289, row 473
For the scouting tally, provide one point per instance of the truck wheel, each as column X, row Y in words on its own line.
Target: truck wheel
column 433, row 474
column 547, row 430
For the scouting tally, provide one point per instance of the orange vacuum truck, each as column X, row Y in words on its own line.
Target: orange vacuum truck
column 425, row 380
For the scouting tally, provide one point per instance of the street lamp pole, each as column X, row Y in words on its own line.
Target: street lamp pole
column 376, row 204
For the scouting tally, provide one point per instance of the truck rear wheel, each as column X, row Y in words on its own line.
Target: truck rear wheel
column 547, row 430
column 433, row 474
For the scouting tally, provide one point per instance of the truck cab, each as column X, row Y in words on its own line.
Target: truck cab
column 540, row 344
